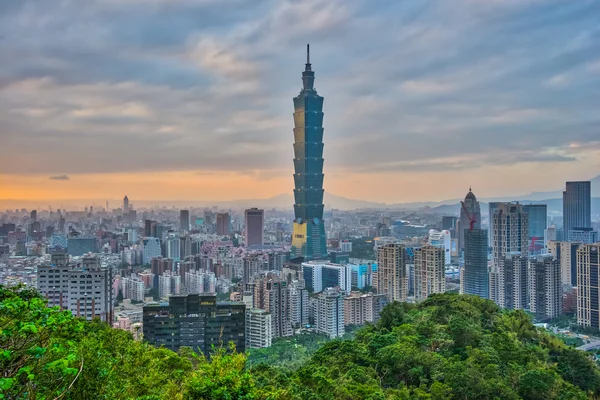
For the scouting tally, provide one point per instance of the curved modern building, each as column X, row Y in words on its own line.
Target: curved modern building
column 308, row 240
column 470, row 217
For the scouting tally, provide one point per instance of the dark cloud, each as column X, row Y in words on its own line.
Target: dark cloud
column 131, row 85
column 59, row 178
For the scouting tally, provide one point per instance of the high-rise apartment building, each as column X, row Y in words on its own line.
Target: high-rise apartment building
column 492, row 207
column 200, row 282
column 196, row 321
column 53, row 280
column 510, row 234
column 470, row 217
column 430, row 272
column 132, row 288
column 566, row 254
column 169, row 283
column 545, row 287
column 475, row 275
column 173, row 243
column 583, row 235
column 329, row 313
column 86, row 288
column 360, row 308
column 258, row 329
column 254, row 220
column 577, row 200
column 588, row 286
column 391, row 277
column 514, row 291
column 223, row 224
column 184, row 220
column 308, row 237
column 299, row 304
column 79, row 246
column 442, row 239
column 272, row 294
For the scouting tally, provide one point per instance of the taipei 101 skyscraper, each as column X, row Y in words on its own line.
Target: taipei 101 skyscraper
column 308, row 239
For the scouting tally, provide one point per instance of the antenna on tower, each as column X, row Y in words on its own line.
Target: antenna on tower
column 308, row 53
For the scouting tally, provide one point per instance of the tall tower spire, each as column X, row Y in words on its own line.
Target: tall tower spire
column 309, row 239
column 308, row 76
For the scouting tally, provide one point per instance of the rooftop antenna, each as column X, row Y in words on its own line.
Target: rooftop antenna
column 308, row 53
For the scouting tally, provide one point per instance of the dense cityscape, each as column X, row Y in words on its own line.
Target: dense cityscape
column 319, row 297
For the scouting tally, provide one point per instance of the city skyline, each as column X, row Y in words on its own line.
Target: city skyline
column 449, row 94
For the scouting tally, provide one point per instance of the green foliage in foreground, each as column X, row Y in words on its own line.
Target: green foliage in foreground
column 448, row 347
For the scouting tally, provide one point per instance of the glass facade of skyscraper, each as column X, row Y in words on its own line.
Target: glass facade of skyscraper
column 308, row 240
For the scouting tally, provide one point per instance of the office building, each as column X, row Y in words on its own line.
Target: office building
column 475, row 275
column 184, row 220
column 360, row 308
column 258, row 329
column 443, row 240
column 470, row 217
column 545, row 287
column 223, row 224
column 195, row 321
column 151, row 249
column 308, row 237
column 430, row 271
column 510, row 234
column 588, row 286
column 513, row 293
column 33, row 216
column 254, row 220
column 79, row 246
column 125, row 205
column 85, row 288
column 362, row 275
column 391, row 278
column 537, row 216
column 448, row 223
column 583, row 235
column 329, row 313
column 319, row 275
column 577, row 200
column 566, row 254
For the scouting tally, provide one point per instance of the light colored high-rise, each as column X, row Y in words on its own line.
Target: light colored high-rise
column 430, row 272
column 391, row 278
column 442, row 239
column 360, row 308
column 329, row 313
column 254, row 219
column 168, row 284
column 513, row 293
column 319, row 275
column 132, row 288
column 588, row 286
column 258, row 329
column 510, row 233
column 577, row 200
column 53, row 280
column 470, row 217
column 91, row 290
column 200, row 282
column 545, row 287
column 566, row 254
column 299, row 304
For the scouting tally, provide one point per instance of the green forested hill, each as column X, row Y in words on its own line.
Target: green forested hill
column 448, row 347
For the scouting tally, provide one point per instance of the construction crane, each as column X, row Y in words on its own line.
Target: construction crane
column 471, row 217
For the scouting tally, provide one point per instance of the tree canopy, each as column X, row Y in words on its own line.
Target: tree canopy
column 447, row 347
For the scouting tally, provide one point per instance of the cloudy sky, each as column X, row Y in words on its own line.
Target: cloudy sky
column 192, row 99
